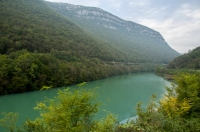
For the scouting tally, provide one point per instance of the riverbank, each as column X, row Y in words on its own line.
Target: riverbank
column 119, row 95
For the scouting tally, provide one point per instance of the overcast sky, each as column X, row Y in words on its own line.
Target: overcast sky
column 178, row 21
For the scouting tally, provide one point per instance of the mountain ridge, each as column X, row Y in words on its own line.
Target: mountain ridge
column 40, row 47
column 128, row 37
column 94, row 10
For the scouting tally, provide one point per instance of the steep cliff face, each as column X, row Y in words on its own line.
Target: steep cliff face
column 138, row 43
column 108, row 20
column 112, row 22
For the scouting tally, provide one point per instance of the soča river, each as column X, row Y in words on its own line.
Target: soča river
column 119, row 95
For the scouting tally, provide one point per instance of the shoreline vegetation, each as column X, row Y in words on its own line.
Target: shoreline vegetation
column 178, row 110
column 187, row 63
column 169, row 74
column 23, row 71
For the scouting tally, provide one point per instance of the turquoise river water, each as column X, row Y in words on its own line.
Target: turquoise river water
column 119, row 95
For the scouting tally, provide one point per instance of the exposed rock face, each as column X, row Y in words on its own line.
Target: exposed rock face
column 110, row 21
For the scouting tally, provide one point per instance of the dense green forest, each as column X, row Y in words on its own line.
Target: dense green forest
column 189, row 62
column 39, row 47
column 23, row 71
column 177, row 111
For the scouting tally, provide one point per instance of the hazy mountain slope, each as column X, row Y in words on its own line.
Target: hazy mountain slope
column 191, row 60
column 136, row 42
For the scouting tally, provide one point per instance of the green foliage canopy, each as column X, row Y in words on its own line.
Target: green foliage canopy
column 191, row 60
column 177, row 111
column 67, row 112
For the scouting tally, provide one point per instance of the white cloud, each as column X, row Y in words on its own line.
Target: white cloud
column 138, row 3
column 184, row 5
column 115, row 4
column 180, row 29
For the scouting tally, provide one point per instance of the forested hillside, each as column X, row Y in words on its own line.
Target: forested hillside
column 187, row 63
column 191, row 60
column 39, row 47
column 136, row 42
column 33, row 26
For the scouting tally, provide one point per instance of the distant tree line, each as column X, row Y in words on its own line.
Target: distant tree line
column 24, row 71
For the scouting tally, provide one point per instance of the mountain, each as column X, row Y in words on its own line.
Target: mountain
column 135, row 42
column 191, row 60
column 34, row 26
column 40, row 48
